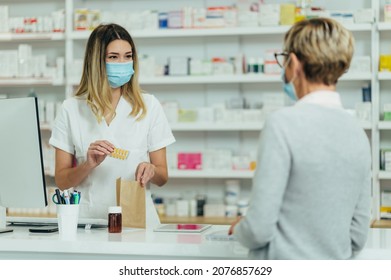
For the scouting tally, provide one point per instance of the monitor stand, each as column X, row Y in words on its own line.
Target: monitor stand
column 3, row 228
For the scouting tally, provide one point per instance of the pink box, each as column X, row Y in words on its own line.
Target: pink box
column 190, row 161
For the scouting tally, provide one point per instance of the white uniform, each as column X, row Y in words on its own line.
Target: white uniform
column 76, row 127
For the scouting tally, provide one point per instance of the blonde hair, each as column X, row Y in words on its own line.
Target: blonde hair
column 94, row 85
column 323, row 46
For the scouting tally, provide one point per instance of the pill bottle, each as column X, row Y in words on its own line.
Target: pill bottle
column 115, row 219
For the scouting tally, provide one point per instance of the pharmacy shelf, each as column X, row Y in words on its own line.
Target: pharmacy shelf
column 30, row 82
column 49, row 173
column 359, row 27
column 381, row 224
column 54, row 36
column 200, row 126
column 211, row 174
column 384, row 125
column 45, row 126
column 356, row 77
column 206, row 32
column 227, row 79
column 246, row 78
column 167, row 33
column 216, row 79
column 384, row 26
column 366, row 125
column 197, row 220
column 384, row 76
column 384, row 175
column 243, row 126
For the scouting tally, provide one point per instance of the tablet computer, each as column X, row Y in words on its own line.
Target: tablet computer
column 182, row 228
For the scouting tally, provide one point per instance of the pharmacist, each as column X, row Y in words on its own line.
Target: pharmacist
column 109, row 111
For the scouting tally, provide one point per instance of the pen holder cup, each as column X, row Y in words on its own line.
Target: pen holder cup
column 68, row 216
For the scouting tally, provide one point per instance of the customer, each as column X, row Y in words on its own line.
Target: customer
column 108, row 111
column 311, row 192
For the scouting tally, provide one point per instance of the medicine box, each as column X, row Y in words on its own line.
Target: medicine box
column 178, row 66
column 190, row 161
column 187, row 115
column 214, row 210
column 385, row 202
column 387, row 13
column 287, row 14
column 385, row 62
column 269, row 15
column 387, row 112
column 385, row 159
column 364, row 16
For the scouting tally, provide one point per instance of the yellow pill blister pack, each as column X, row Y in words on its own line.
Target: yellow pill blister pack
column 120, row 154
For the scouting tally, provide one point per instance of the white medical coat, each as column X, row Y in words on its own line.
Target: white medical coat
column 76, row 127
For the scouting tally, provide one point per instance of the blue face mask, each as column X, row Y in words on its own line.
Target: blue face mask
column 119, row 73
column 289, row 89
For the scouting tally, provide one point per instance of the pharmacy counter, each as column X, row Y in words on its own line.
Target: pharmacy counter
column 139, row 244
column 130, row 244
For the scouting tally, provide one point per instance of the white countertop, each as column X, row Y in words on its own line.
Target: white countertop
column 378, row 245
column 141, row 244
column 130, row 244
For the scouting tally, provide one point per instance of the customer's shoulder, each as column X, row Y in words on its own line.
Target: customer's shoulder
column 281, row 115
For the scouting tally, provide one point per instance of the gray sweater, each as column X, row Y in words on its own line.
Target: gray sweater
column 311, row 191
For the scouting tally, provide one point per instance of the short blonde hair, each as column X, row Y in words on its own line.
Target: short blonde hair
column 323, row 46
column 94, row 84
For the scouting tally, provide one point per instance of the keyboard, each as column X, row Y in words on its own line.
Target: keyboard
column 221, row 235
column 44, row 221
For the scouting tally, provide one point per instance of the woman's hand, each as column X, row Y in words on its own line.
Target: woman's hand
column 231, row 229
column 98, row 151
column 144, row 173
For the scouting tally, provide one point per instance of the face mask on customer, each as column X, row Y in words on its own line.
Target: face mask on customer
column 119, row 73
column 289, row 88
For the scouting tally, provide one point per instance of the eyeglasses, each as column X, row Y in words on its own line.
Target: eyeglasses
column 281, row 58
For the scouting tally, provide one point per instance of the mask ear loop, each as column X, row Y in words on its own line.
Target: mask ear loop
column 294, row 76
column 285, row 64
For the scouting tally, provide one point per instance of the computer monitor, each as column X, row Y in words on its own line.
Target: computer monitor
column 22, row 177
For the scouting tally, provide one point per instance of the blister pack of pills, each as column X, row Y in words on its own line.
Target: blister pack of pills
column 120, row 154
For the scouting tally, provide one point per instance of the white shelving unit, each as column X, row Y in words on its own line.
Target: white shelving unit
column 204, row 90
column 200, row 126
column 384, row 125
column 384, row 175
column 30, row 82
column 384, row 76
column 233, row 31
column 230, row 79
column 212, row 174
column 54, row 36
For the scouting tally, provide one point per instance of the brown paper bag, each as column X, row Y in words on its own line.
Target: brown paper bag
column 131, row 197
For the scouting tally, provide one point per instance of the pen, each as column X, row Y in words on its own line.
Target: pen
column 59, row 197
column 76, row 197
column 66, row 197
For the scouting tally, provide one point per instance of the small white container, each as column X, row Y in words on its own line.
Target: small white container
column 232, row 192
column 231, row 211
column 243, row 205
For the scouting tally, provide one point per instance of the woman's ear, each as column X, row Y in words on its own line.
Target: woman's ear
column 295, row 64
